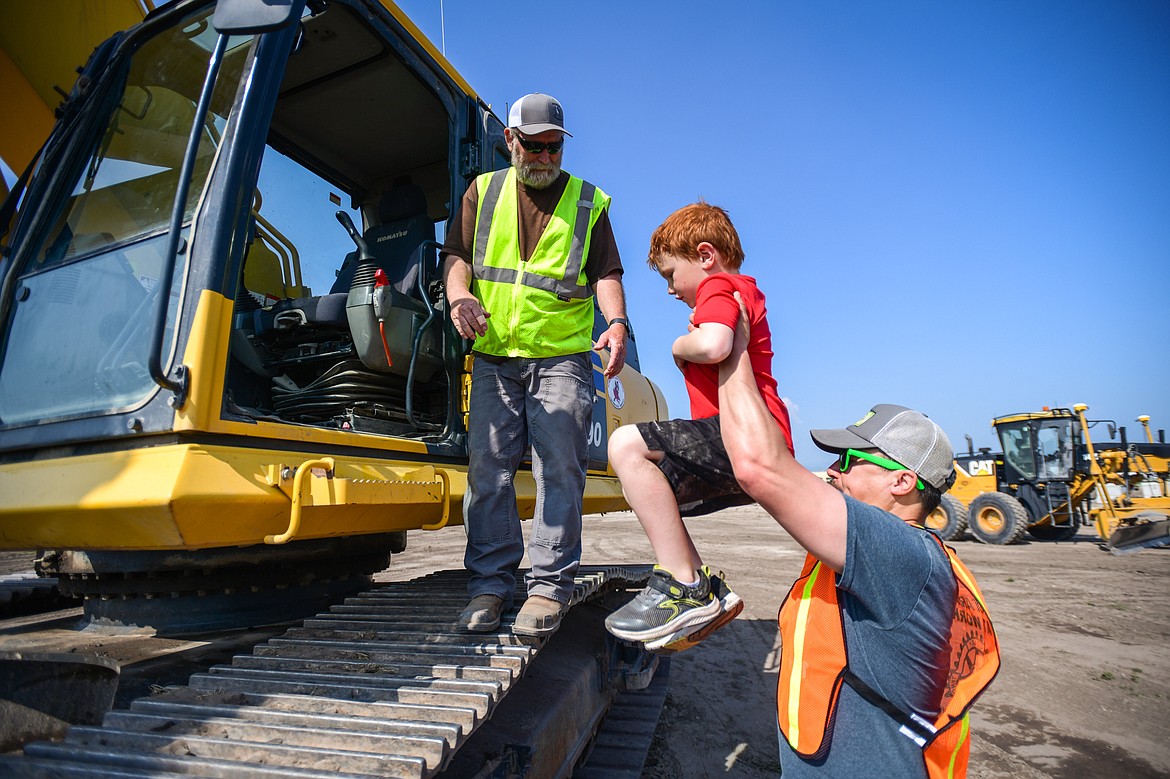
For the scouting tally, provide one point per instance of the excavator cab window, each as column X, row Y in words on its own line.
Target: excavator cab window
column 84, row 290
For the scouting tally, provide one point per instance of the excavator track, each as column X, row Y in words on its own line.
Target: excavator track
column 26, row 592
column 381, row 685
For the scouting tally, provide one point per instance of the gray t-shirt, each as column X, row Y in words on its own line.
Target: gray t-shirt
column 897, row 595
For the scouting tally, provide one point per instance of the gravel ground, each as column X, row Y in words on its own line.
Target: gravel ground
column 1082, row 691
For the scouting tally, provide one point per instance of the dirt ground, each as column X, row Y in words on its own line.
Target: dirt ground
column 1083, row 690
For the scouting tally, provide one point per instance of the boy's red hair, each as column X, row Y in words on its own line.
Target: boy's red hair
column 682, row 232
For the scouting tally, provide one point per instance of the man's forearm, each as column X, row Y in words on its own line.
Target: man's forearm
column 611, row 297
column 456, row 277
column 612, row 300
column 810, row 510
column 750, row 432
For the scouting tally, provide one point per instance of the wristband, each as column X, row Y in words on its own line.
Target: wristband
column 620, row 320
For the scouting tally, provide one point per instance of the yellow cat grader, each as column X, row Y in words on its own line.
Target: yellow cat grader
column 1050, row 480
column 229, row 387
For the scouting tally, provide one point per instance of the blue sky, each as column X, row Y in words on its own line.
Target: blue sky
column 962, row 207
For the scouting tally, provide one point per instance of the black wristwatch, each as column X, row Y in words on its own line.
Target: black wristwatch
column 620, row 320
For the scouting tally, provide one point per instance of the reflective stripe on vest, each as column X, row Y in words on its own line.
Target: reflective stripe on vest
column 808, row 687
column 814, row 660
column 551, row 283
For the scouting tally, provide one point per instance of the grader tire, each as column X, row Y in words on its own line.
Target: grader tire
column 949, row 520
column 997, row 518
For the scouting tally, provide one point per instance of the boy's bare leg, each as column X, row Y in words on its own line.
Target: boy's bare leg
column 650, row 496
column 673, row 604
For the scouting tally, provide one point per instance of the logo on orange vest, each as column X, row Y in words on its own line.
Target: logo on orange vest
column 965, row 661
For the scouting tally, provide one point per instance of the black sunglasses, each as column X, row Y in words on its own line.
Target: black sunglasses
column 536, row 147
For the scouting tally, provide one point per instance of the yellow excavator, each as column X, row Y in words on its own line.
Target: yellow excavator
column 222, row 325
column 1050, row 479
column 229, row 385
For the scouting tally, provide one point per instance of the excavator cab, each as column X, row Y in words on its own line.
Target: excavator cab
column 1033, row 487
column 226, row 366
column 229, row 389
column 1039, row 473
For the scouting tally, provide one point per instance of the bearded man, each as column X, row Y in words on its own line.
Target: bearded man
column 527, row 255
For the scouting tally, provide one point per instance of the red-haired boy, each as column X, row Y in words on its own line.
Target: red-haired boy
column 680, row 466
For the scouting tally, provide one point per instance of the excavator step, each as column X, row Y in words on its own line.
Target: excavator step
column 383, row 684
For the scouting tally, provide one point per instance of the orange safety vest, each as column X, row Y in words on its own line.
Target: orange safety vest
column 813, row 666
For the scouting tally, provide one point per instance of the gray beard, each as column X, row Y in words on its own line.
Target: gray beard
column 533, row 174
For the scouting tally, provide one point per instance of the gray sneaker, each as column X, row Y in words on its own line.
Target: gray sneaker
column 665, row 607
column 731, row 605
column 482, row 614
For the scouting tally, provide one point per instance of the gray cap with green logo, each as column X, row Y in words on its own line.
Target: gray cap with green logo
column 909, row 437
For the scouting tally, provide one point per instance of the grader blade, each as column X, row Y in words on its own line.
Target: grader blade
column 1151, row 532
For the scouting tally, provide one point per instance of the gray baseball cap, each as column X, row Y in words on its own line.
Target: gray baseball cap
column 909, row 437
column 537, row 113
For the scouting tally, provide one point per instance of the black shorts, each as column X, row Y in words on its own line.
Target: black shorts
column 695, row 464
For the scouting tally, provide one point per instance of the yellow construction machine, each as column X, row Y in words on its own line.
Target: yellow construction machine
column 223, row 341
column 229, row 385
column 1050, row 479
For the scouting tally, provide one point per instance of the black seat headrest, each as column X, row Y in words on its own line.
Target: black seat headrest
column 403, row 201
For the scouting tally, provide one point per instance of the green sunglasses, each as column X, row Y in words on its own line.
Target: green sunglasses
column 849, row 455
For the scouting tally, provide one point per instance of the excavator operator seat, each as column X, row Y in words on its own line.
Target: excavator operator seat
column 402, row 227
column 394, row 243
column 395, row 328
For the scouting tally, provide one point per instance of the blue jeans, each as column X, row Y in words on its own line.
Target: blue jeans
column 550, row 403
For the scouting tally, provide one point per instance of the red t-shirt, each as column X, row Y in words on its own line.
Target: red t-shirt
column 714, row 302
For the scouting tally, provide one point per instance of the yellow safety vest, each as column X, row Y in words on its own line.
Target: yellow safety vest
column 542, row 307
column 814, row 665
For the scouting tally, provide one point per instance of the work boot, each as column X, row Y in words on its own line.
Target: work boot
column 482, row 614
column 665, row 607
column 687, row 638
column 539, row 616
